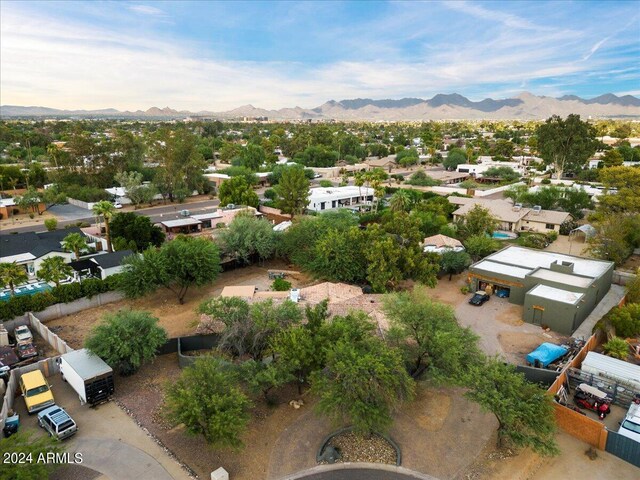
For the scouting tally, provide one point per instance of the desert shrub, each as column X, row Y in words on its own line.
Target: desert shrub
column 626, row 320
column 616, row 348
column 546, row 181
column 533, row 241
column 566, row 227
column 41, row 300
column 67, row 293
column 552, row 235
column 280, row 285
column 51, row 224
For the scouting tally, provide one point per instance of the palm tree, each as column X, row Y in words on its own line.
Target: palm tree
column 74, row 242
column 106, row 209
column 53, row 269
column 400, row 201
column 12, row 274
column 52, row 150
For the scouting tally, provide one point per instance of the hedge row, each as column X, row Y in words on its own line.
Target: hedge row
column 69, row 292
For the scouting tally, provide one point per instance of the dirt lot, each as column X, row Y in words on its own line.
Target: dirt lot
column 632, row 264
column 176, row 319
column 142, row 395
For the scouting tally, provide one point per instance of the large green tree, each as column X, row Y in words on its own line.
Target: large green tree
column 237, row 191
column 524, row 410
column 248, row 236
column 454, row 262
column 338, row 256
column 430, row 337
column 126, row 339
column 566, row 144
column 207, row 400
column 177, row 265
column 136, row 228
column 293, row 192
column 363, row 383
column 54, row 269
column 477, row 221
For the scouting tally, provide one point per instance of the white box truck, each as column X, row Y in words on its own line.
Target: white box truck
column 88, row 375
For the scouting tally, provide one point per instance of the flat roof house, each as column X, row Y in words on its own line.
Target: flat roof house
column 339, row 197
column 557, row 290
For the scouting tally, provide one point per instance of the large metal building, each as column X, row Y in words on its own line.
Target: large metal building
column 557, row 290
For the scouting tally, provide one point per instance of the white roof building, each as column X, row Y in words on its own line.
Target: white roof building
column 339, row 197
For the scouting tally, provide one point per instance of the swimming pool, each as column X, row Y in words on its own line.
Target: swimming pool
column 29, row 289
column 504, row 235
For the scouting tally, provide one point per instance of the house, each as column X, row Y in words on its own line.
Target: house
column 556, row 290
column 110, row 263
column 446, row 177
column 9, row 205
column 29, row 249
column 182, row 225
column 441, row 244
column 513, row 218
column 339, row 197
column 479, row 169
column 386, row 163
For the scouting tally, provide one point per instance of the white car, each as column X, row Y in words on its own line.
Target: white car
column 117, row 204
column 23, row 335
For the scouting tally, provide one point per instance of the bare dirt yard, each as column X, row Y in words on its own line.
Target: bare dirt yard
column 177, row 320
column 143, row 394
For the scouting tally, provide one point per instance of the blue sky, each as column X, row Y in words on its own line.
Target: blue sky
column 220, row 55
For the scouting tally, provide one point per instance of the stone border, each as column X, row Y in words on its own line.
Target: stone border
column 410, row 474
column 328, row 438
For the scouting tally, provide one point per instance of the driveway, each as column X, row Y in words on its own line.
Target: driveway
column 112, row 445
column 501, row 329
column 70, row 212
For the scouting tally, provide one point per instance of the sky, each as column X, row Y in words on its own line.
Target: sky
column 220, row 55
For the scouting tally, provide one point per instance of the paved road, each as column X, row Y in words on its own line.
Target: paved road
column 157, row 214
column 352, row 471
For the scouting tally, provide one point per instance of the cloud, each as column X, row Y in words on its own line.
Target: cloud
column 98, row 65
column 147, row 10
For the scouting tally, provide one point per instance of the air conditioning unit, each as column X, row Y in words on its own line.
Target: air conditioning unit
column 537, row 209
column 517, row 207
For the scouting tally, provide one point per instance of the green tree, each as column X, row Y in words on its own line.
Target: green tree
column 633, row 289
column 293, row 192
column 477, row 221
column 612, row 158
column 626, row 320
column 454, row 158
column 177, row 265
column 574, row 201
column 400, row 201
column 626, row 198
column 137, row 229
column 479, row 246
column 30, row 200
column 338, row 256
column 296, row 353
column 407, row 157
column 524, row 410
column 54, row 269
column 126, row 339
column 136, row 191
column 506, row 174
column 248, row 236
column 616, row 347
column 106, row 210
column 51, row 224
column 363, row 383
column 517, row 193
column 263, row 378
column 566, row 144
column 75, row 242
column 237, row 191
column 249, row 329
column 611, row 240
column 12, row 274
column 27, row 445
column 454, row 262
column 207, row 400
column 253, row 156
column 430, row 337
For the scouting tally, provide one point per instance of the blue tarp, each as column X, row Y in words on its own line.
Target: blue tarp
column 546, row 353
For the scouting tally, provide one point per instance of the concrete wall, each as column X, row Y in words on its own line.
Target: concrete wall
column 622, row 278
column 61, row 309
column 81, row 204
column 485, row 193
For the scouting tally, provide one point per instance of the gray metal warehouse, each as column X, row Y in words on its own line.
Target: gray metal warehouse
column 557, row 290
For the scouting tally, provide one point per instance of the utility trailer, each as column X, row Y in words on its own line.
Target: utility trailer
column 88, row 375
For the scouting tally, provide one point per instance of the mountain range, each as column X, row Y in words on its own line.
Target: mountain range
column 525, row 106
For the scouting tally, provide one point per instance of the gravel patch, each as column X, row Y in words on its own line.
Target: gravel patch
column 358, row 448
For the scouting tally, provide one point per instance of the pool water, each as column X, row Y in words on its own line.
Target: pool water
column 23, row 290
column 502, row 235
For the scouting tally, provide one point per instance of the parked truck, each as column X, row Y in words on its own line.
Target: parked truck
column 88, row 375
